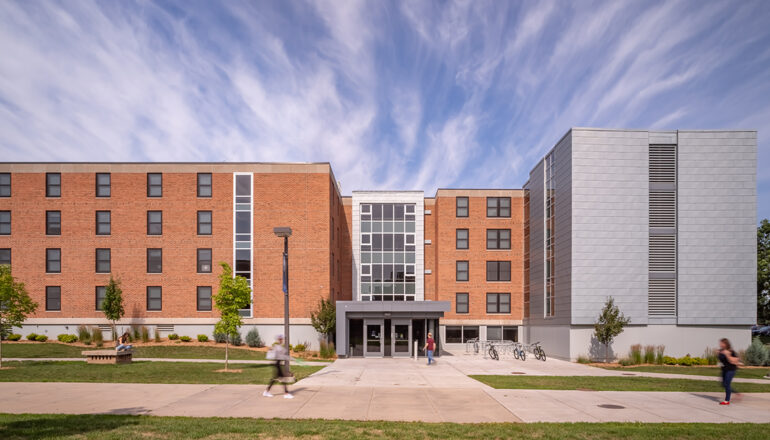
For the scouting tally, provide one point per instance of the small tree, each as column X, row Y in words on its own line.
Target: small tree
column 15, row 304
column 234, row 294
column 610, row 324
column 324, row 318
column 112, row 306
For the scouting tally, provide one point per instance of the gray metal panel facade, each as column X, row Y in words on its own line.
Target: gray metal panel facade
column 610, row 196
column 536, row 250
column 717, row 227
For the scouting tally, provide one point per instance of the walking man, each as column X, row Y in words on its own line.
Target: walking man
column 430, row 346
column 278, row 353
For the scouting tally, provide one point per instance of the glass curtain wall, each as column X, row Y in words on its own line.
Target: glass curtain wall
column 549, row 236
column 242, row 230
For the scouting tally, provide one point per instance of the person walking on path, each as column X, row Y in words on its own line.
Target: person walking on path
column 430, row 346
column 730, row 362
column 280, row 375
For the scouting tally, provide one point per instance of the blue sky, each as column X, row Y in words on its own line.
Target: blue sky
column 396, row 95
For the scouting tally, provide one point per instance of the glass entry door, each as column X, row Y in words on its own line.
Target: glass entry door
column 401, row 338
column 374, row 338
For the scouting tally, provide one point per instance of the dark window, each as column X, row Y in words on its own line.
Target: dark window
column 453, row 334
column 498, row 271
column 53, row 260
column 204, row 298
column 462, row 271
column 204, row 260
column 498, row 303
column 103, row 223
column 461, row 303
column 5, row 184
column 5, row 222
column 53, row 298
column 498, row 206
column 154, row 298
column 154, row 260
column 101, row 292
column 5, row 256
column 53, row 185
column 511, row 334
column 154, row 222
column 498, row 238
column 154, row 185
column 103, row 260
column 204, row 184
column 53, row 223
column 103, row 184
column 204, row 222
column 462, row 206
column 462, row 238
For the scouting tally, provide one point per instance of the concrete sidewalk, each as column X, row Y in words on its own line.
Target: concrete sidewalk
column 428, row 404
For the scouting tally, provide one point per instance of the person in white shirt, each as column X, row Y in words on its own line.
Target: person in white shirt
column 281, row 356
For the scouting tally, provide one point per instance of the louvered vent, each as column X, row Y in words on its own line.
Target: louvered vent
column 662, row 298
column 165, row 328
column 663, row 254
column 663, row 163
column 662, row 209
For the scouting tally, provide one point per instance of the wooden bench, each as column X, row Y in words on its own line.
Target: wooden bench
column 108, row 356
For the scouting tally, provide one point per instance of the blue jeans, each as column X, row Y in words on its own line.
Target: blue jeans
column 123, row 347
column 430, row 356
column 727, row 380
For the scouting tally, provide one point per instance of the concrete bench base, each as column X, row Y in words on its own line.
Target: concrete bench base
column 108, row 356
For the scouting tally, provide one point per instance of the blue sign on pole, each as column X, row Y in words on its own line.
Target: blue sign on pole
column 285, row 273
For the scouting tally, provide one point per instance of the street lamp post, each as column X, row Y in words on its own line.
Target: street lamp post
column 285, row 232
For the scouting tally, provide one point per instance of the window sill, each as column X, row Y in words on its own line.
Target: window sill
column 204, row 311
column 155, row 311
column 53, row 311
column 154, row 273
column 203, row 273
column 53, row 273
column 498, row 281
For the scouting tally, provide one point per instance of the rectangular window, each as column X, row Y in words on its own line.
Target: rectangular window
column 498, row 271
column 101, row 291
column 103, row 224
column 461, row 236
column 154, row 185
column 5, row 256
column 498, row 238
column 498, row 206
column 204, row 298
column 5, row 184
column 53, row 223
column 511, row 334
column 204, row 184
column 461, row 303
column 204, row 222
column 498, row 303
column 52, row 185
column 154, row 298
column 204, row 260
column 5, row 222
column 462, row 271
column 494, row 333
column 470, row 332
column 53, row 260
column 454, row 334
column 154, row 260
column 103, row 184
column 154, row 222
column 53, row 298
column 103, row 260
column 461, row 206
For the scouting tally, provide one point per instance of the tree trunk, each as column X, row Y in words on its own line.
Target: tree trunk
column 606, row 353
column 227, row 344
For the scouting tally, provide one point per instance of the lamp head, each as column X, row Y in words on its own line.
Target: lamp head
column 282, row 232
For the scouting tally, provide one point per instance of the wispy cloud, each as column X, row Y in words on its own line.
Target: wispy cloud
column 407, row 94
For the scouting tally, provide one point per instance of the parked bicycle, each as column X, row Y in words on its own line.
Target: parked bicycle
column 518, row 352
column 537, row 350
column 493, row 352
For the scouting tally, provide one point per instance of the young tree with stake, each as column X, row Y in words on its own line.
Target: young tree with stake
column 15, row 304
column 234, row 294
column 610, row 324
column 324, row 318
column 112, row 305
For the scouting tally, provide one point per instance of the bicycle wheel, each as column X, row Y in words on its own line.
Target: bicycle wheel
column 536, row 352
column 523, row 355
column 542, row 355
column 515, row 353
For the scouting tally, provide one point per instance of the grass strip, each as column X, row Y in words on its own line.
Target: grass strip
column 603, row 383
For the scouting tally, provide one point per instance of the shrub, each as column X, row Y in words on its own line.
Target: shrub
column 145, row 334
column 136, row 333
column 14, row 337
column 97, row 337
column 626, row 362
column 32, row 336
column 757, row 353
column 636, row 354
column 668, row 360
column 203, row 338
column 583, row 359
column 68, row 339
column 711, row 356
column 649, row 354
column 41, row 338
column 253, row 339
column 157, row 335
column 84, row 334
column 327, row 350
column 659, row 350
column 299, row 348
column 185, row 338
column 173, row 337
column 220, row 338
column 236, row 340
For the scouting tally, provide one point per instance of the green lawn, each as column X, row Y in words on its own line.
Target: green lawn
column 181, row 351
column 746, row 373
column 598, row 383
column 142, row 372
column 57, row 426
